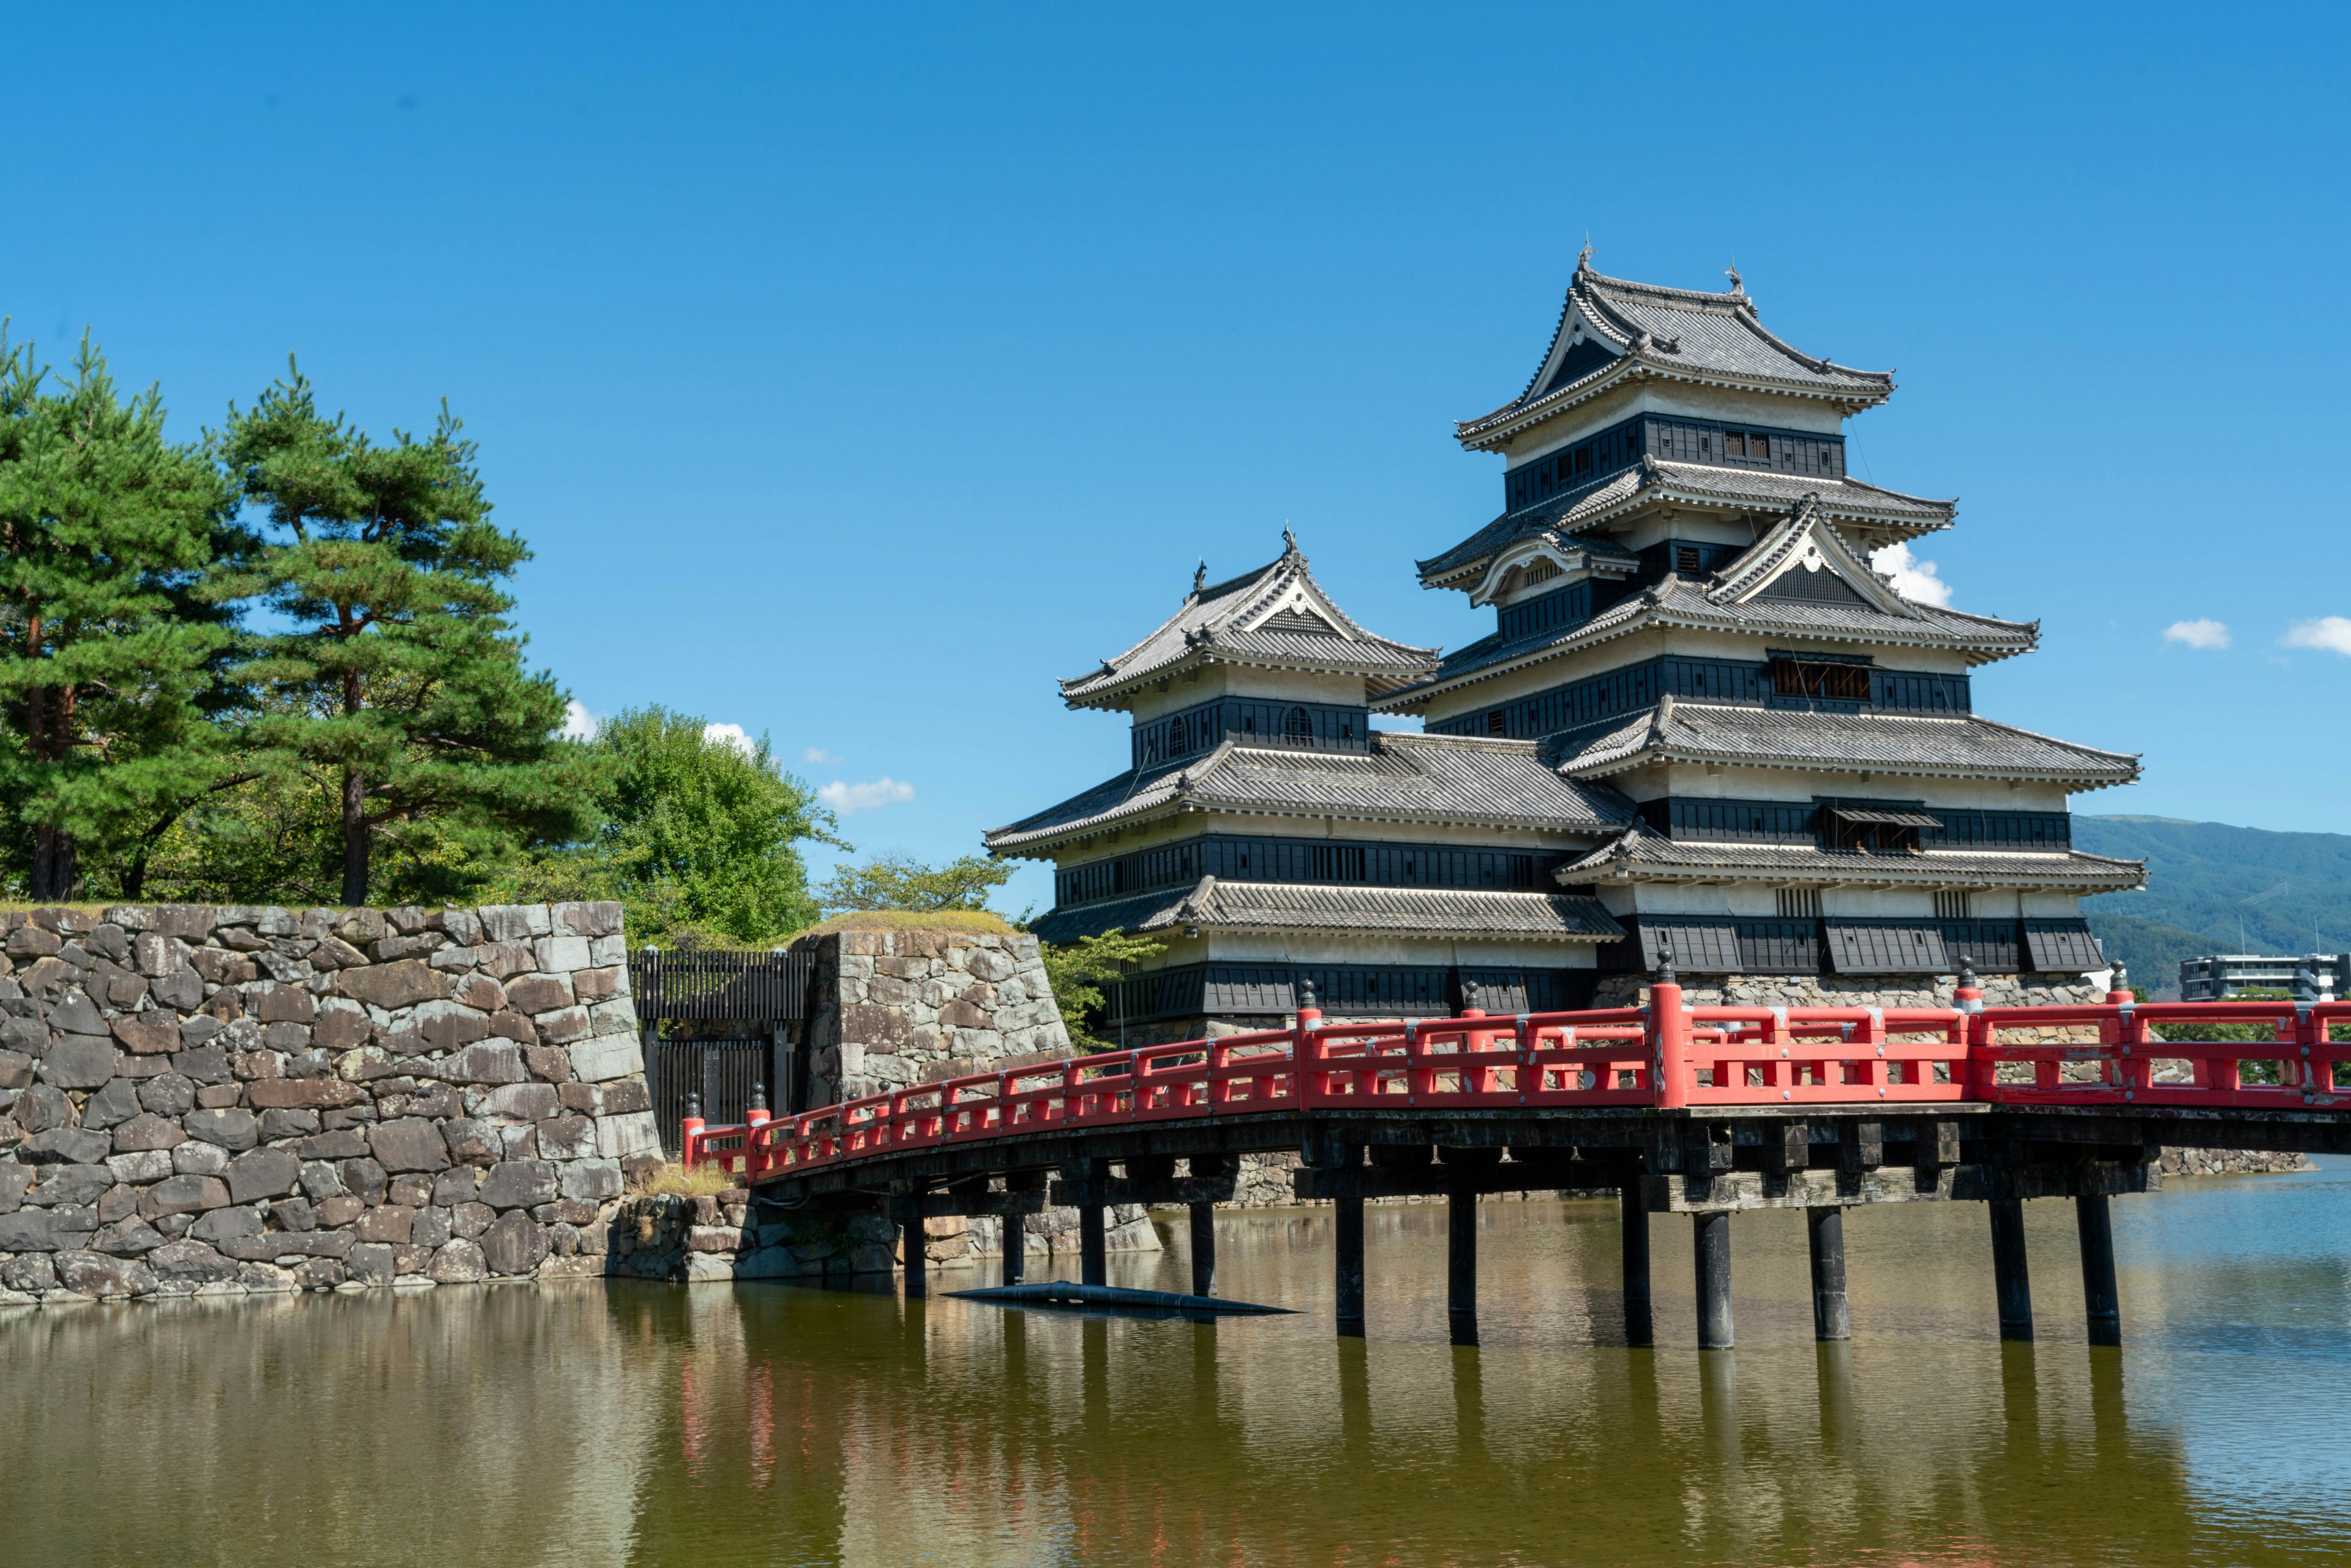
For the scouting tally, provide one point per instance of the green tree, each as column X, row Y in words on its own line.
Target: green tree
column 698, row 837
column 400, row 675
column 1077, row 971
column 901, row 882
column 107, row 654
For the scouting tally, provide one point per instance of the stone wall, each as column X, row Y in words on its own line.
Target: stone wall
column 721, row 1236
column 1631, row 990
column 900, row 1008
column 219, row 1100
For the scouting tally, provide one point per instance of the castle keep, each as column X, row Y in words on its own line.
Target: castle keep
column 1703, row 726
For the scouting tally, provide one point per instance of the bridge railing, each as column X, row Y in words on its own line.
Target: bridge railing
column 1665, row 1055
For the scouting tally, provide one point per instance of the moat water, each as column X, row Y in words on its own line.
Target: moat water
column 770, row 1424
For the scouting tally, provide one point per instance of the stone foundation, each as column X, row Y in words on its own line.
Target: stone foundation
column 717, row 1238
column 2232, row 1162
column 1630, row 991
column 220, row 1101
column 902, row 1008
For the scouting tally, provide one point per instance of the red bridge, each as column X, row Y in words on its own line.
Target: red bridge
column 1704, row 1111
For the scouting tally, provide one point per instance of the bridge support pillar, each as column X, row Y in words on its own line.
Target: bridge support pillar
column 2011, row 1280
column 1832, row 1317
column 1203, row 1249
column 910, row 1242
column 1635, row 1221
column 1710, row 1234
column 1094, row 1246
column 1461, row 1266
column 2102, row 1302
column 1348, row 1210
column 1015, row 1247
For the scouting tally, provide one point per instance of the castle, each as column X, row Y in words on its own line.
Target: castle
column 1704, row 726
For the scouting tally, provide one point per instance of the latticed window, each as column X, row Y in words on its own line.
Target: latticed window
column 1953, row 906
column 1819, row 678
column 1800, row 903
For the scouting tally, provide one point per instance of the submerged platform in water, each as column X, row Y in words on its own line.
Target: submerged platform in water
column 1113, row 1297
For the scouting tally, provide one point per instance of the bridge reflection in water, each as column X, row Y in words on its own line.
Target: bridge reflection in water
column 771, row 1424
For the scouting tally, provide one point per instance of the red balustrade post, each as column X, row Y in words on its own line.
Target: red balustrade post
column 1669, row 1037
column 689, row 1131
column 1308, row 1081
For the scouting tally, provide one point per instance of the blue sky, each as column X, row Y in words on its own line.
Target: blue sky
column 856, row 372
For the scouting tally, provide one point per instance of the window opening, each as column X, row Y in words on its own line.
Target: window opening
column 1953, row 906
column 1800, row 903
column 1685, row 559
column 1811, row 678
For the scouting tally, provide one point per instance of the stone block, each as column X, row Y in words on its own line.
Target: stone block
column 63, row 1187
column 262, row 1174
column 200, row 1159
column 518, row 1184
column 616, row 1017
column 74, row 1145
column 31, row 1272
column 182, row 1194
column 17, row 1070
column 293, row 1214
column 33, row 1231
column 321, row 1180
column 521, row 1101
column 15, row 1180
column 79, row 1062
column 343, row 1144
column 279, row 1126
column 567, row 1137
column 409, row 1144
column 302, row 1093
column 624, row 1095
column 32, row 942
column 600, row 985
column 126, row 1237
column 472, row 1142
column 146, row 1132
column 479, row 992
column 142, row 1166
column 455, row 1185
column 169, row 1094
column 371, row 1263
column 388, row 1223
column 319, row 1274
column 272, row 1245
column 432, row 1228
column 233, row 1128
column 190, row 1261
column 618, row 1137
column 594, row 1180
column 182, row 988
column 218, row 1096
column 96, row 1275
column 201, row 1063
column 562, row 1026
column 288, row 1037
column 365, row 1180
column 342, row 1025
column 267, row 1001
column 513, row 1245
column 458, row 1262
column 503, row 960
column 560, row 954
column 411, row 1191
column 448, row 1024
column 153, row 1035
column 515, row 922
column 607, row 1057
column 394, row 986
column 488, row 1063
column 536, row 994
column 338, row 1211
column 111, row 1106
column 602, row 918
column 713, row 1238
column 225, row 1225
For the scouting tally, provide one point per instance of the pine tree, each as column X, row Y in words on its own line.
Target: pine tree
column 107, row 651
column 402, row 674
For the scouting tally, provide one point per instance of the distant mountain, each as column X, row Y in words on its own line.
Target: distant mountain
column 2291, row 891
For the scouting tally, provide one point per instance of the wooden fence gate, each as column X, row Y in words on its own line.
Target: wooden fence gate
column 759, row 1003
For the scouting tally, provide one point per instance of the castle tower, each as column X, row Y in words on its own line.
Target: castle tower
column 1686, row 615
column 1268, row 836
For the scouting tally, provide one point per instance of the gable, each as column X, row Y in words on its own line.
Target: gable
column 1296, row 619
column 1580, row 360
column 1809, row 585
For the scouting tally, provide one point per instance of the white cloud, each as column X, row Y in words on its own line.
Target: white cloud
column 732, row 734
column 851, row 799
column 2331, row 633
column 578, row 724
column 1914, row 580
column 818, row 756
column 2207, row 634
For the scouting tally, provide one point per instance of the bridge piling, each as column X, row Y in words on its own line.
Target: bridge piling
column 1461, row 1266
column 1831, row 1316
column 1710, row 1237
column 1203, row 1249
column 2011, row 1280
column 2101, row 1300
column 1634, row 1222
column 910, row 1242
column 1348, row 1211
column 1093, row 1246
column 1015, row 1247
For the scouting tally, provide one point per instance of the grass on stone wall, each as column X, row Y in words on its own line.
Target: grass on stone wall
column 977, row 922
column 704, row 1181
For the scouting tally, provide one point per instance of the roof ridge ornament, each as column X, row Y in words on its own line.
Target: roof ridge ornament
column 1199, row 577
column 1289, row 540
column 1584, row 256
column 1738, row 284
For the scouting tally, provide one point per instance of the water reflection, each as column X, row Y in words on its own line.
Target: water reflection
column 775, row 1424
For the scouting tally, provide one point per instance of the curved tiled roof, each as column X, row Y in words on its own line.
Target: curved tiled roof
column 1242, row 620
column 1901, row 743
column 1656, row 480
column 1649, row 855
column 1306, row 907
column 1402, row 778
column 1678, row 333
